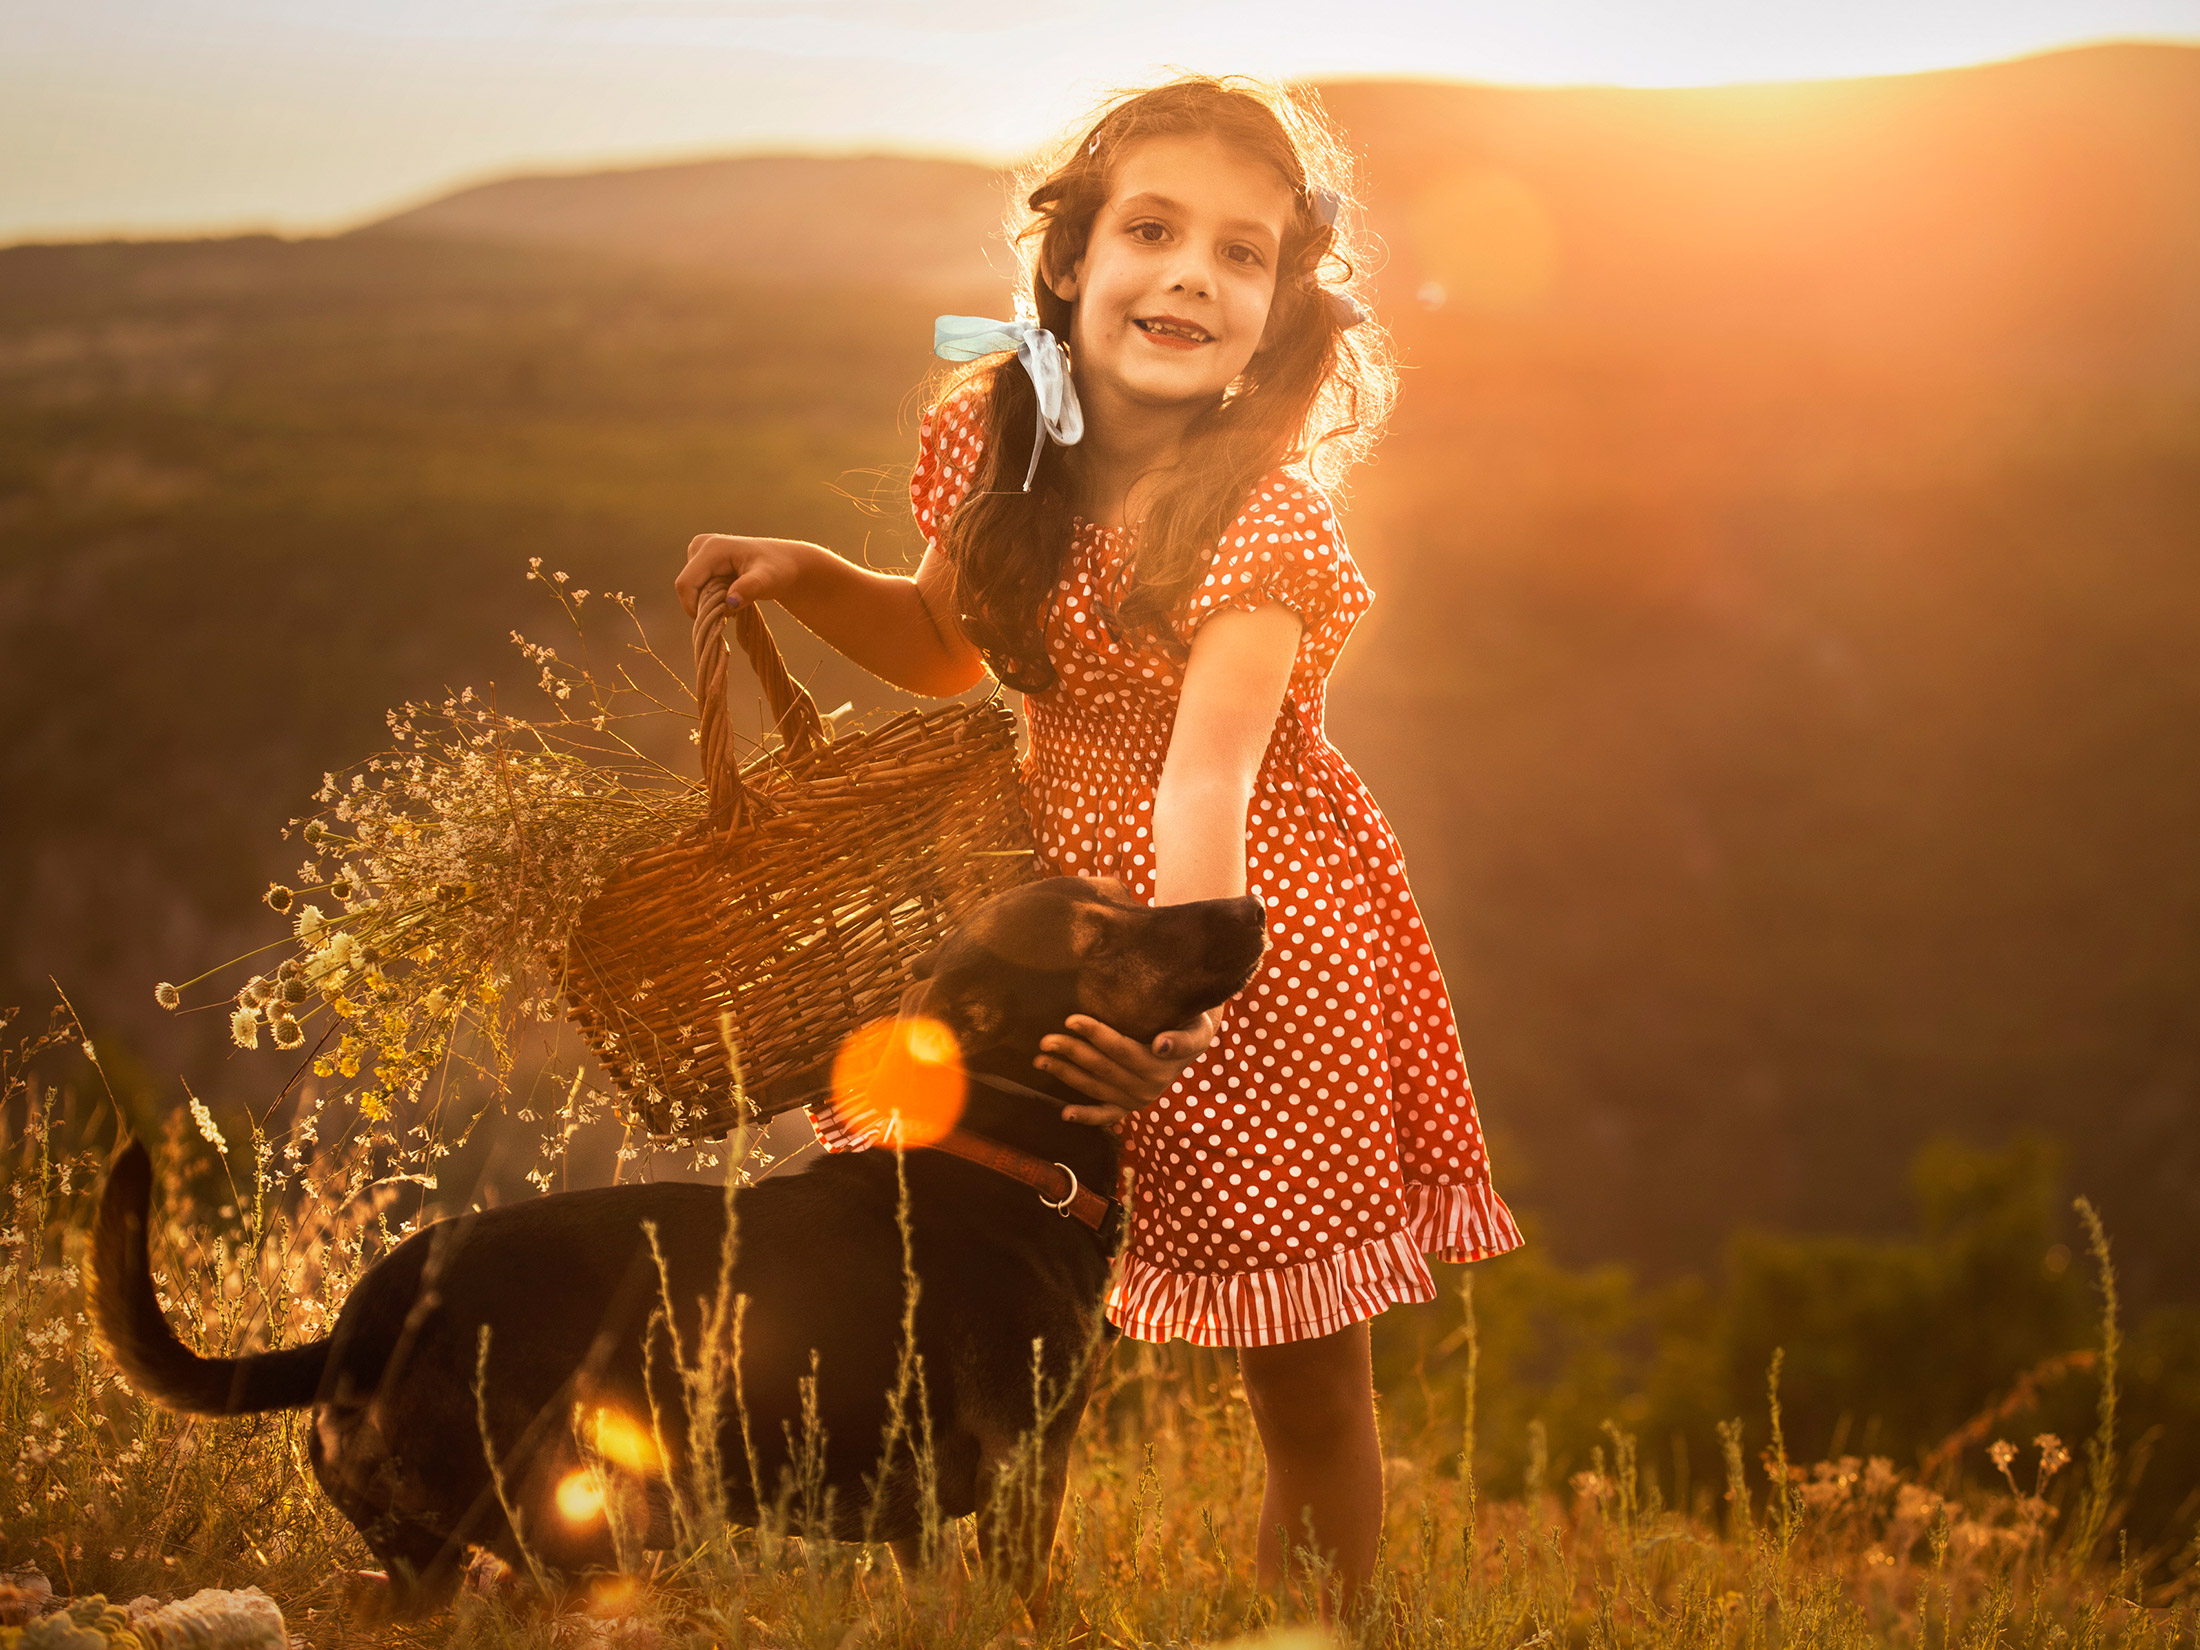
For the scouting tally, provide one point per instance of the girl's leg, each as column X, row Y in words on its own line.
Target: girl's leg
column 1314, row 1403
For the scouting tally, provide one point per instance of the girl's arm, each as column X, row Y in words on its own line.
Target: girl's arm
column 900, row 629
column 1233, row 686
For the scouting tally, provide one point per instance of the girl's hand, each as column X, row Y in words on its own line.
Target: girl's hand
column 1120, row 1075
column 759, row 568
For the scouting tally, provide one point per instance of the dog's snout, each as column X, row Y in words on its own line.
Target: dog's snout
column 1248, row 909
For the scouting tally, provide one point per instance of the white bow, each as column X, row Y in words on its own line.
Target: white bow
column 968, row 337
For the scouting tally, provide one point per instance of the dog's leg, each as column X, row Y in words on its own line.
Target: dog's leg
column 421, row 1571
column 947, row 1555
column 1019, row 1508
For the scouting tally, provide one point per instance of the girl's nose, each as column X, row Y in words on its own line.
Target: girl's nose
column 1194, row 276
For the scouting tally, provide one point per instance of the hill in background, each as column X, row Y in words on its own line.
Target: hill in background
column 884, row 219
column 1782, row 675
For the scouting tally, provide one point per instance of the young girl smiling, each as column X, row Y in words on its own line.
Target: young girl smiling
column 1137, row 538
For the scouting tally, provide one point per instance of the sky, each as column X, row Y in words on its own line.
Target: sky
column 162, row 117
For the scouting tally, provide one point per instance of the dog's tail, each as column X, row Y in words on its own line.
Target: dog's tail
column 130, row 1321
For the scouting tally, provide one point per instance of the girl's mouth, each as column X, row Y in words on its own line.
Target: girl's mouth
column 1172, row 334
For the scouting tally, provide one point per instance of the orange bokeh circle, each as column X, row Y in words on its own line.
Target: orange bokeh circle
column 900, row 1081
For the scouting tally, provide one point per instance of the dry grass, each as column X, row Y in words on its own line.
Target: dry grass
column 110, row 1494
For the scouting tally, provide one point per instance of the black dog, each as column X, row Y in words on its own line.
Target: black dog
column 569, row 1290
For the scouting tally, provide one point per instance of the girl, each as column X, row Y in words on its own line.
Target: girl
column 1135, row 538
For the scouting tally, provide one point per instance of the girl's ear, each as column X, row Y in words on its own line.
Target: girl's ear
column 1065, row 285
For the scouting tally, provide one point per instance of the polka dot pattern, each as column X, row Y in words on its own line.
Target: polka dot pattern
column 1291, row 1182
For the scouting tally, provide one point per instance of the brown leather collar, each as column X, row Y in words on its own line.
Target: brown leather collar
column 1058, row 1188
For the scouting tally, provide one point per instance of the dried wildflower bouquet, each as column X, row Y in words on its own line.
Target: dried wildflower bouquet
column 444, row 875
column 491, row 870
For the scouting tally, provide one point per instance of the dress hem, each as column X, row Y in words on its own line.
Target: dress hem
column 1280, row 1304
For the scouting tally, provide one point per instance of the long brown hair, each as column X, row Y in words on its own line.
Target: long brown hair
column 1315, row 393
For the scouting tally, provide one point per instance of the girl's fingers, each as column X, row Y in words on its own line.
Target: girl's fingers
column 1082, row 1065
column 1100, row 1061
column 1106, row 1039
column 1097, row 1079
column 1189, row 1040
column 750, row 586
column 1100, row 1117
column 715, row 555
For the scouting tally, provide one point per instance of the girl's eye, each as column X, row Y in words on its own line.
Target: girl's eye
column 1252, row 255
column 1139, row 229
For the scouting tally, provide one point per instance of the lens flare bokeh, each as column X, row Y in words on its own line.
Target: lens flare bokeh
column 580, row 1496
column 624, row 1442
column 900, row 1081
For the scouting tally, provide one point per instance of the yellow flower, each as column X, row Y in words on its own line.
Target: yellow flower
column 2053, row 1456
column 205, row 1120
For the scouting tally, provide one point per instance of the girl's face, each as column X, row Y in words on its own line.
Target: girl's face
column 1173, row 290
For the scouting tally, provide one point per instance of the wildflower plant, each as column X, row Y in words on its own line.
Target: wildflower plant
column 442, row 879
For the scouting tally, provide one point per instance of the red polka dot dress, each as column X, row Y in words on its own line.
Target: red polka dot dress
column 1291, row 1182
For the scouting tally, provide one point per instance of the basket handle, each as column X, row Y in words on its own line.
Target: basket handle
column 794, row 712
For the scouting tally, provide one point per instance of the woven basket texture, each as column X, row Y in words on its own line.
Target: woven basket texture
column 717, row 976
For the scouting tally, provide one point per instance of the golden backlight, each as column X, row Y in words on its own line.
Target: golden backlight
column 625, row 1442
column 900, row 1081
column 1486, row 240
column 580, row 1496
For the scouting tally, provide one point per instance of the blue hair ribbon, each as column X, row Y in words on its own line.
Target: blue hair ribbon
column 971, row 337
column 1345, row 311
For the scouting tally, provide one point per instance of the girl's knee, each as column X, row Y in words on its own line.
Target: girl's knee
column 1310, row 1388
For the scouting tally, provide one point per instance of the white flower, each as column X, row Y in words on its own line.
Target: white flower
column 310, row 922
column 205, row 1120
column 244, row 1028
column 167, row 995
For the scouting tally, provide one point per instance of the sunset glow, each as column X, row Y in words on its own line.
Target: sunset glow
column 121, row 116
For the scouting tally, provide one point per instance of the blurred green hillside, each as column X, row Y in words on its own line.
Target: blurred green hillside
column 1788, row 550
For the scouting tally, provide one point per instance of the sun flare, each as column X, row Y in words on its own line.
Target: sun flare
column 901, row 1081
column 580, row 1497
column 624, row 1441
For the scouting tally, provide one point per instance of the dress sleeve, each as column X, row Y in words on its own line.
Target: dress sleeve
column 1285, row 546
column 949, row 440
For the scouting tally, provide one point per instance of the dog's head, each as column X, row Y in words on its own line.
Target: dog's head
column 1029, row 958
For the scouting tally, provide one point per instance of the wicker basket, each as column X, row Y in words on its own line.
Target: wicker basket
column 716, row 977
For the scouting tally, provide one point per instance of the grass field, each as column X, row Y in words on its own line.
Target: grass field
column 1553, row 1534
